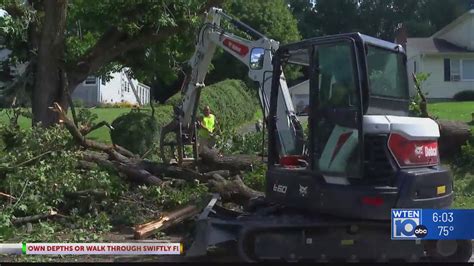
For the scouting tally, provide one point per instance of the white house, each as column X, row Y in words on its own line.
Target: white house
column 300, row 95
column 448, row 56
column 120, row 88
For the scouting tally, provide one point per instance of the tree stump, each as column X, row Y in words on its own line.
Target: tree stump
column 453, row 134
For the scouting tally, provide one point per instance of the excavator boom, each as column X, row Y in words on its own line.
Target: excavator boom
column 257, row 56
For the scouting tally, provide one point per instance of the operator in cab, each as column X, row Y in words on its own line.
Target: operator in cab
column 207, row 129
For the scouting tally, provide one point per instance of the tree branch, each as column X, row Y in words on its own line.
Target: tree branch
column 114, row 43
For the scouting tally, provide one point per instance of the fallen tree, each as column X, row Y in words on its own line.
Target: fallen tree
column 453, row 134
column 220, row 173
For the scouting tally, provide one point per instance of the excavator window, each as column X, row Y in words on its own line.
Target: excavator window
column 335, row 102
column 387, row 74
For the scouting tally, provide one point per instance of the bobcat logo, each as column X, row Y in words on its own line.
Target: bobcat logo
column 418, row 151
column 303, row 191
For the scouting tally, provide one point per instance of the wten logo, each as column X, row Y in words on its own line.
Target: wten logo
column 404, row 223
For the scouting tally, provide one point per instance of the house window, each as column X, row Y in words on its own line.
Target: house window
column 452, row 69
column 90, row 80
column 455, row 70
column 468, row 69
column 414, row 66
column 102, row 80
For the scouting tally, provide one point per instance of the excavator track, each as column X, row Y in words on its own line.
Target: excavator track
column 271, row 234
column 298, row 238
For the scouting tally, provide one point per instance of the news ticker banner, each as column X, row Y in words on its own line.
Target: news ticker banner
column 432, row 224
column 92, row 248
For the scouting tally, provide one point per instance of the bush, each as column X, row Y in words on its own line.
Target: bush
column 136, row 131
column 248, row 143
column 229, row 100
column 78, row 103
column 464, row 96
column 86, row 117
column 464, row 162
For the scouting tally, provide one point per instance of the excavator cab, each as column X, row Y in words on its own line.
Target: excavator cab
column 363, row 155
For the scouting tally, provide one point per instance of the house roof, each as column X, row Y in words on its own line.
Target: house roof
column 435, row 45
column 453, row 24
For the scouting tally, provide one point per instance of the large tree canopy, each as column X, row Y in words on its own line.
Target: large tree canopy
column 378, row 18
column 270, row 17
column 65, row 41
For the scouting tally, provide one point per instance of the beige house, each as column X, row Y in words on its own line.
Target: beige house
column 448, row 56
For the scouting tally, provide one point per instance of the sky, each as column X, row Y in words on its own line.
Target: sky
column 2, row 12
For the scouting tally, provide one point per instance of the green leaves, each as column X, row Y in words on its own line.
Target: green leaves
column 463, row 164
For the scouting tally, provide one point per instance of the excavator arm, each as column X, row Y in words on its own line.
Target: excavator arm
column 257, row 56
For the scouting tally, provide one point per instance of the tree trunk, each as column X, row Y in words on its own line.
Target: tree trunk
column 48, row 85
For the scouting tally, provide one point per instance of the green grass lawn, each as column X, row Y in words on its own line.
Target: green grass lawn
column 104, row 114
column 108, row 115
column 460, row 111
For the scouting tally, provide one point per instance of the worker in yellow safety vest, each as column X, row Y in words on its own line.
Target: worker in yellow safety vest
column 207, row 128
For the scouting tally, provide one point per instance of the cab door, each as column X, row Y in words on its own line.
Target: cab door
column 336, row 113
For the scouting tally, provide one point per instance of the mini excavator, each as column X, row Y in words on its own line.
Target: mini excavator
column 330, row 187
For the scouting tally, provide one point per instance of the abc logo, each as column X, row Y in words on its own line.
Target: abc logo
column 405, row 227
column 421, row 231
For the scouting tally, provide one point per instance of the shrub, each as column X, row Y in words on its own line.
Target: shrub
column 229, row 100
column 464, row 96
column 78, row 103
column 464, row 162
column 248, row 143
column 86, row 117
column 136, row 131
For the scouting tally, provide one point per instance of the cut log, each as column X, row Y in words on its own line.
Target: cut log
column 137, row 174
column 171, row 219
column 223, row 173
column 211, row 161
column 233, row 190
column 34, row 218
column 82, row 164
column 453, row 134
column 130, row 169
column 171, row 171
